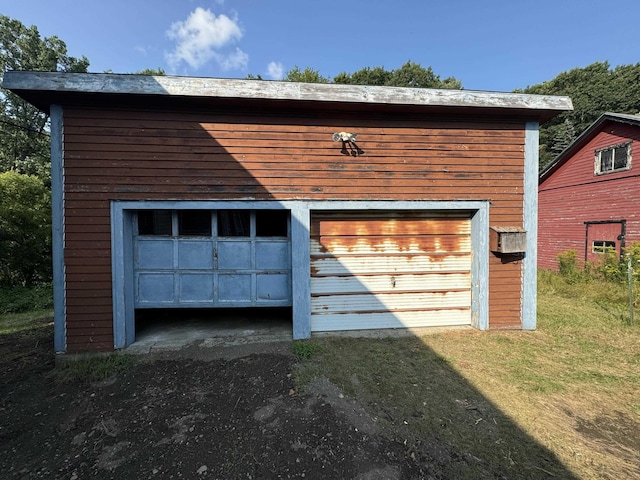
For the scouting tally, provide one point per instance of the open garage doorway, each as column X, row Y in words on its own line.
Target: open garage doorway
column 176, row 328
column 211, row 273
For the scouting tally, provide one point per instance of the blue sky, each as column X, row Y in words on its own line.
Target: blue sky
column 496, row 45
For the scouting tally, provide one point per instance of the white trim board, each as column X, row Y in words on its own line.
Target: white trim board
column 121, row 236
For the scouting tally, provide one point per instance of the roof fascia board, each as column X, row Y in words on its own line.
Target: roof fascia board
column 104, row 83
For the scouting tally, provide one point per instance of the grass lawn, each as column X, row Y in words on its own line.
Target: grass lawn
column 560, row 402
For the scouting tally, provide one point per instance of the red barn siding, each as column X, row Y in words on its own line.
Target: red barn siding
column 135, row 155
column 573, row 195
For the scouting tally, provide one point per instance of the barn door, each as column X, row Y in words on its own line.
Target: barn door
column 604, row 237
column 390, row 270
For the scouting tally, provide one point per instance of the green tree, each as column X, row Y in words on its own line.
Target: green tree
column 410, row 74
column 23, row 128
column 564, row 135
column 377, row 76
column 308, row 75
column 158, row 72
column 25, row 230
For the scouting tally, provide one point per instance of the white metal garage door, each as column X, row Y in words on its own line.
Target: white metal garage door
column 212, row 258
column 390, row 270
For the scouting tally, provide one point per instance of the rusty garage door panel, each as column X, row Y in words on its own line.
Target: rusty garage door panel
column 390, row 270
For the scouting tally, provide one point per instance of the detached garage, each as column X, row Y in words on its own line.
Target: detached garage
column 355, row 207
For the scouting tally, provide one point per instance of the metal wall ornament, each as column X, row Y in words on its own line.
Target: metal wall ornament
column 349, row 146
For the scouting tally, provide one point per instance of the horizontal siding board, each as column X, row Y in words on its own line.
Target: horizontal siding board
column 390, row 283
column 339, row 181
column 298, row 140
column 91, row 307
column 393, row 227
column 199, row 120
column 390, row 264
column 89, row 295
column 83, row 243
column 95, row 261
column 365, row 321
column 82, row 317
column 259, row 193
column 84, row 252
column 73, row 284
column 86, row 228
column 392, row 302
column 344, row 245
column 89, row 268
column 91, row 277
column 184, row 166
column 94, row 301
column 490, row 160
column 237, row 126
column 102, row 333
column 88, row 220
column 177, row 173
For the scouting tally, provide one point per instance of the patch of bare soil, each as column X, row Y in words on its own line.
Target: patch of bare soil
column 170, row 418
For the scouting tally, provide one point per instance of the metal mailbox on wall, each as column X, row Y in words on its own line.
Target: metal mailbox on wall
column 508, row 239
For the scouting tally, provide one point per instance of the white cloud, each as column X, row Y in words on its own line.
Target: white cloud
column 275, row 71
column 204, row 37
column 235, row 60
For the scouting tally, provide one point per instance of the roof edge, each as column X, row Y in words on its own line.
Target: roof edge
column 132, row 84
column 584, row 136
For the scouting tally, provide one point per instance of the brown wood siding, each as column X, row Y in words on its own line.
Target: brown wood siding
column 574, row 195
column 145, row 155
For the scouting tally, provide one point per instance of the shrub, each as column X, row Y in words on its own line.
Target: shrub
column 568, row 266
column 610, row 266
column 24, row 299
column 614, row 268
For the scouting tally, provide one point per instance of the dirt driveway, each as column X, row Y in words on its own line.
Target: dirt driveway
column 234, row 415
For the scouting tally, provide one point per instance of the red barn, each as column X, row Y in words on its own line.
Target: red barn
column 353, row 207
column 589, row 197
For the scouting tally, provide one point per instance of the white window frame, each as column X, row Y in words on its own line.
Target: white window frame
column 612, row 148
column 602, row 247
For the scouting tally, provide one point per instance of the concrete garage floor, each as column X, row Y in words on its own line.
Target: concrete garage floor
column 167, row 330
column 170, row 330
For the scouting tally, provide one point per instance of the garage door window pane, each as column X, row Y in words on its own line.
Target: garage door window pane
column 234, row 223
column 194, row 223
column 271, row 223
column 154, row 222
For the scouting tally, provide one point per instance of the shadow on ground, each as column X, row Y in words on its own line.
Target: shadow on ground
column 232, row 413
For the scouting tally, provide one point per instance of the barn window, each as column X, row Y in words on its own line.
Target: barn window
column 603, row 246
column 613, row 159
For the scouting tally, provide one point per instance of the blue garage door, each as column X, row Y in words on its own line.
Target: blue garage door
column 212, row 258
